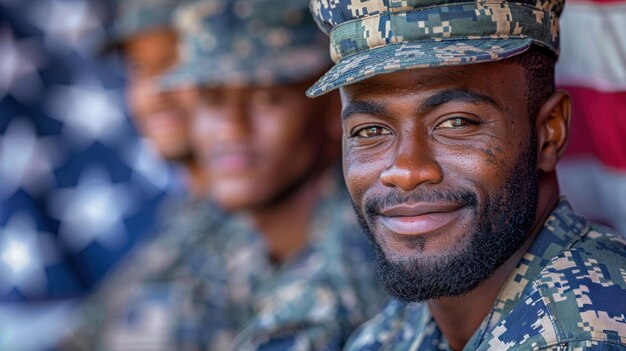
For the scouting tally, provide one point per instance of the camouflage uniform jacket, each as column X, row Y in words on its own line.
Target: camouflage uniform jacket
column 174, row 292
column 317, row 299
column 567, row 293
column 207, row 276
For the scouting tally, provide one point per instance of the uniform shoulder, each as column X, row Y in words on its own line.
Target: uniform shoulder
column 595, row 262
column 581, row 292
column 574, row 302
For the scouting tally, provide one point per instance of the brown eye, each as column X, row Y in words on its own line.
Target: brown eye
column 371, row 131
column 455, row 122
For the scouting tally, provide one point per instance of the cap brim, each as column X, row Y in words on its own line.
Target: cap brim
column 403, row 56
column 293, row 66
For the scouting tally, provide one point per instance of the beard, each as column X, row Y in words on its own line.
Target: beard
column 500, row 226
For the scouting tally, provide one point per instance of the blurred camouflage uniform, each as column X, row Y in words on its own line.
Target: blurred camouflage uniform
column 176, row 293
column 197, row 289
column 568, row 291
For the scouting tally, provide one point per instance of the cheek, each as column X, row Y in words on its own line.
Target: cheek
column 362, row 169
column 139, row 97
column 202, row 133
column 479, row 168
column 281, row 134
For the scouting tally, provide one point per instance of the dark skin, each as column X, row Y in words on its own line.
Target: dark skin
column 162, row 117
column 445, row 128
column 264, row 152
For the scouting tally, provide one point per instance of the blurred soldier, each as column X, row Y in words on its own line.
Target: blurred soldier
column 156, row 300
column 270, row 155
column 142, row 31
column 452, row 133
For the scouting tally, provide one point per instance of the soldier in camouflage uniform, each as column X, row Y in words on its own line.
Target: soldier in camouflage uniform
column 143, row 33
column 452, row 131
column 175, row 291
column 270, row 154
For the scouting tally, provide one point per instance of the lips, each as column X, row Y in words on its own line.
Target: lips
column 231, row 159
column 419, row 218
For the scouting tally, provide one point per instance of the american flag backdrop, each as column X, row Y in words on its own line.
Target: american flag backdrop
column 78, row 188
column 592, row 68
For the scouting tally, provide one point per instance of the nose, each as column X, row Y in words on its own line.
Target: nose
column 226, row 122
column 414, row 164
column 236, row 117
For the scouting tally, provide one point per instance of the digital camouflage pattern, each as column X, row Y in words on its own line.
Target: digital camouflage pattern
column 133, row 17
column 371, row 37
column 246, row 43
column 567, row 293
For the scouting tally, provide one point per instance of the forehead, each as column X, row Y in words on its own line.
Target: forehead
column 502, row 82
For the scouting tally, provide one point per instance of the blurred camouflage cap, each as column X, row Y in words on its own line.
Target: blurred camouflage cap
column 371, row 37
column 133, row 17
column 247, row 43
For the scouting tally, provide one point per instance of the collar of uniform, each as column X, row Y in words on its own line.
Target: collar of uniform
column 560, row 231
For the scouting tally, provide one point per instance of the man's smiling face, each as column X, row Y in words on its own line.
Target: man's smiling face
column 441, row 166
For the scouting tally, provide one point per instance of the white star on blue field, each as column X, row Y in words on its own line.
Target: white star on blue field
column 78, row 188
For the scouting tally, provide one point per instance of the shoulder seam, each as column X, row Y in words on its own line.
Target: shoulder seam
column 551, row 314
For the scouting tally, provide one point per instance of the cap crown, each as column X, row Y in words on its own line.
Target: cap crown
column 249, row 42
column 358, row 25
column 371, row 37
column 135, row 16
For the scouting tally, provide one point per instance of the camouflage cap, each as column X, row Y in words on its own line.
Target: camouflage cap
column 247, row 42
column 371, row 37
column 133, row 17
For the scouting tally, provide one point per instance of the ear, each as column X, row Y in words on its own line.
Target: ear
column 553, row 122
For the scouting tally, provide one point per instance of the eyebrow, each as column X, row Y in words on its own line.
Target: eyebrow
column 362, row 107
column 457, row 94
column 432, row 102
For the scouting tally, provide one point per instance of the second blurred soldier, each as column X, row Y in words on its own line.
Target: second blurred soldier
column 269, row 153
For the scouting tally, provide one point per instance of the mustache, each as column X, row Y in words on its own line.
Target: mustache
column 374, row 205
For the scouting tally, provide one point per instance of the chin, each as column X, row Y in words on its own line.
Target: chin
column 431, row 246
column 233, row 199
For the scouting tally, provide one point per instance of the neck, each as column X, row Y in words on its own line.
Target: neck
column 459, row 317
column 285, row 224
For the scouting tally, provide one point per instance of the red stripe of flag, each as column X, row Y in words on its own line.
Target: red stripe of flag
column 598, row 126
